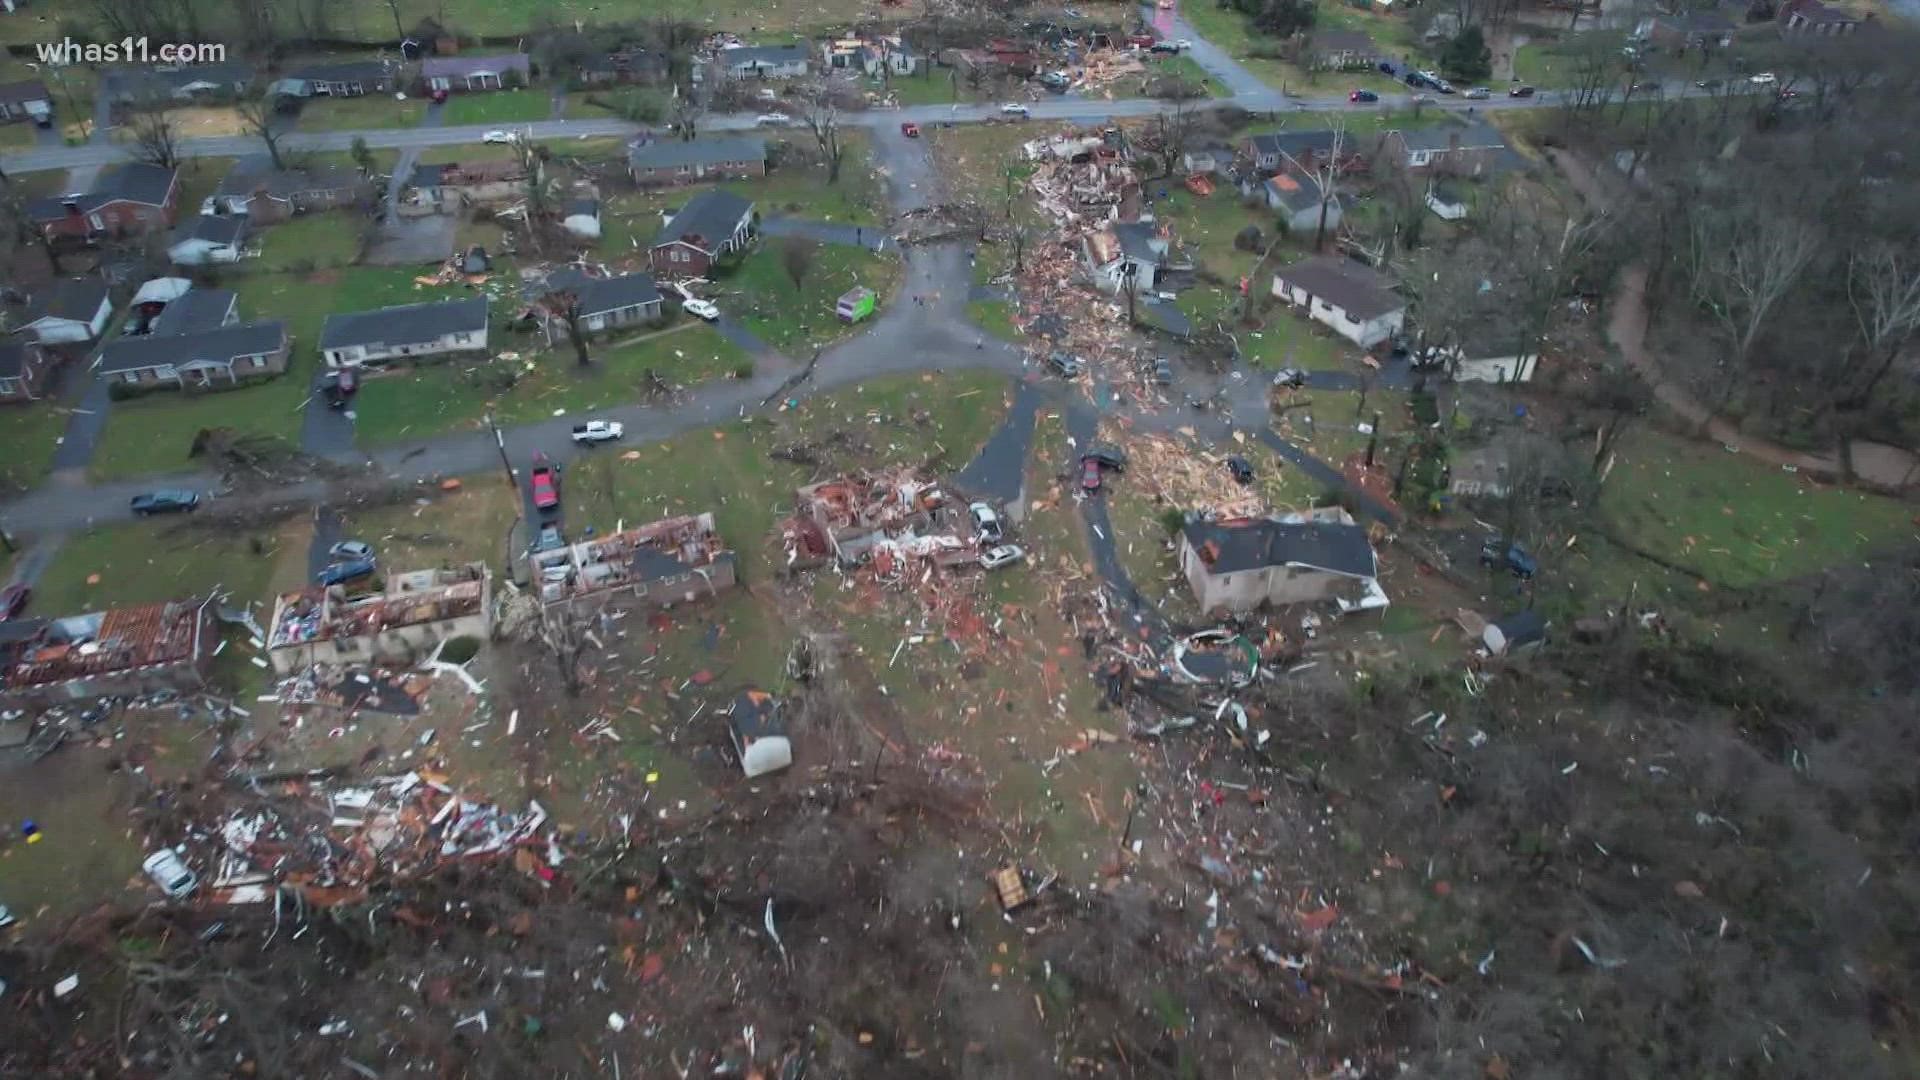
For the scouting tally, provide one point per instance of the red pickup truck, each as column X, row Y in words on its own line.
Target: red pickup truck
column 546, row 484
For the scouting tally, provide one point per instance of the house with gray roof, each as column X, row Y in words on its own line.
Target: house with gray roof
column 350, row 79
column 712, row 225
column 654, row 164
column 463, row 73
column 1462, row 149
column 1352, row 300
column 762, row 62
column 25, row 100
column 208, row 359
column 69, row 312
column 1298, row 559
column 437, row 328
column 196, row 311
column 208, row 239
column 1126, row 255
column 268, row 195
column 1298, row 199
column 603, row 303
column 174, row 85
column 127, row 198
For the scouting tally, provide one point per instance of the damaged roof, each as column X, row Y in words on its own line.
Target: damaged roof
column 225, row 229
column 194, row 311
column 707, row 218
column 1295, row 190
column 598, row 295
column 1230, row 547
column 78, row 299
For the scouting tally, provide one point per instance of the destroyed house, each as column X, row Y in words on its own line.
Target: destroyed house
column 1241, row 565
column 667, row 562
column 848, row 518
column 758, row 727
column 121, row 651
column 473, row 182
column 1126, row 255
column 402, row 623
column 273, row 195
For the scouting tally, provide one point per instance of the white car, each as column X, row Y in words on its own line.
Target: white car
column 985, row 522
column 1014, row 108
column 1004, row 555
column 499, row 137
column 773, row 119
column 167, row 870
column 1765, row 78
column 596, row 431
column 702, row 309
column 1183, row 44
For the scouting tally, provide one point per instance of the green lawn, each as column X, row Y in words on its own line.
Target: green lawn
column 615, row 102
column 17, row 136
column 154, row 433
column 761, row 295
column 198, row 178
column 430, row 400
column 369, row 112
column 316, row 241
column 1736, row 521
column 27, row 434
column 458, row 153
column 498, row 107
column 1188, row 68
column 936, row 87
column 1233, row 32
column 996, row 318
column 166, row 560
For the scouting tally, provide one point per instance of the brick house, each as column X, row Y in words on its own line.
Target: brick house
column 1304, row 150
column 1815, row 17
column 274, row 196
column 129, row 198
column 653, row 164
column 352, row 79
column 70, row 312
column 24, row 370
column 26, row 100
column 209, row 359
column 456, row 73
column 713, row 224
column 125, row 651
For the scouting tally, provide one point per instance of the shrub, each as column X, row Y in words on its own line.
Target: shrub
column 459, row 650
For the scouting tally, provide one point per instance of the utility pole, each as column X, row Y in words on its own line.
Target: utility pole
column 500, row 441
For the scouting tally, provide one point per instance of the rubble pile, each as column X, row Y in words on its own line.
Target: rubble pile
column 1187, row 478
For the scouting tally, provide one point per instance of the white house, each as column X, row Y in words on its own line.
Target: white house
column 409, row 331
column 1351, row 300
column 208, row 239
column 1125, row 254
column 603, row 303
column 74, row 311
column 582, row 219
column 476, row 72
column 1301, row 559
column 759, row 733
column 762, row 62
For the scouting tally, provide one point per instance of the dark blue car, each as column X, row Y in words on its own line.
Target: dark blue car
column 342, row 572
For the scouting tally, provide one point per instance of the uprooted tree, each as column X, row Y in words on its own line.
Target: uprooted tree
column 563, row 306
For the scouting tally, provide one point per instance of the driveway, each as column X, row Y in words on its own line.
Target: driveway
column 998, row 473
column 871, row 237
column 92, row 401
column 1241, row 83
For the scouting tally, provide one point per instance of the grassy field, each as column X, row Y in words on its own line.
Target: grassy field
column 369, row 112
column 498, row 107
column 467, row 525
column 1738, row 522
column 614, row 102
column 454, row 397
column 1233, row 32
column 198, row 178
column 317, row 241
column 147, row 562
column 761, row 295
column 458, row 153
column 27, row 434
column 154, row 433
column 996, row 318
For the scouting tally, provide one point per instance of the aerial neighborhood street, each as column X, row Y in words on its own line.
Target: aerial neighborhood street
column 975, row 541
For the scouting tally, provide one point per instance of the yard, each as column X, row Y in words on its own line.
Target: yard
column 28, row 435
column 765, row 299
column 198, row 178
column 311, row 241
column 144, row 563
column 367, row 112
column 429, row 400
column 498, row 107
column 1234, row 34
column 639, row 103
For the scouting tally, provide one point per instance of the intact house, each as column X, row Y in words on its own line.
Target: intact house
column 352, row 79
column 1305, row 150
column 175, row 85
column 203, row 360
column 1341, row 50
column 675, row 560
column 476, row 72
column 275, row 195
column 1126, row 255
column 1206, row 160
column 712, row 225
column 761, row 62
column 129, row 198
column 1351, row 300
column 1241, row 565
column 1815, row 17
column 1688, row 30
column 70, row 312
column 1462, row 149
column 122, row 651
column 1448, row 200
column 602, row 303
column 408, row 332
column 400, row 625
column 24, row 370
column 652, row 164
column 208, row 239
column 756, row 723
column 1298, row 198
column 25, row 100
column 581, row 218
column 627, row 64
column 195, row 311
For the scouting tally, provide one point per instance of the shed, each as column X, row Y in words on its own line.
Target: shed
column 758, row 727
column 1520, row 632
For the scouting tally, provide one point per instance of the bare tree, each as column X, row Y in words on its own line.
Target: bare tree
column 564, row 305
column 1746, row 261
column 822, row 118
column 797, row 256
column 1883, row 289
column 22, row 228
column 564, row 633
column 155, row 140
column 399, row 28
column 1174, row 126
column 255, row 18
column 1327, row 172
column 257, row 118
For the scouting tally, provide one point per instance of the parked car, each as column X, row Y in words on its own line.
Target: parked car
column 167, row 870
column 1511, row 557
column 1708, row 84
column 342, row 572
column 1478, row 93
column 1014, row 108
column 497, row 136
column 1241, row 468
column 985, row 522
column 1443, row 86
column 1054, row 80
column 1066, row 365
column 1415, row 79
column 1521, row 91
column 1091, row 475
column 1162, row 371
column 548, row 539
column 701, row 309
column 13, row 600
column 545, row 483
column 772, row 119
column 1004, row 555
column 1765, row 78
column 1164, row 48
column 1290, row 378
column 168, row 501
column 598, row 431
column 1363, row 97
column 338, row 387
column 350, row 549
column 1109, row 457
column 910, row 129
column 1140, row 41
